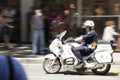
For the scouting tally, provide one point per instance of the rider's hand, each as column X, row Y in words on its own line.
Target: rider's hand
column 79, row 39
column 69, row 40
column 11, row 26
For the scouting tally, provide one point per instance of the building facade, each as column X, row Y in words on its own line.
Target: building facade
column 98, row 10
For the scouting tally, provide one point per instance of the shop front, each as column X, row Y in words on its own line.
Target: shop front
column 99, row 11
column 77, row 11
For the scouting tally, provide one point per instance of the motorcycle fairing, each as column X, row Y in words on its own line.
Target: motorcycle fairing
column 50, row 56
column 68, row 53
column 104, row 56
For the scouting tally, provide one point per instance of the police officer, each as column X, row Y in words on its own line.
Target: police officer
column 88, row 41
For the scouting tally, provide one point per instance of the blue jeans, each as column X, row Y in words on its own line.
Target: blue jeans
column 38, row 41
column 81, row 51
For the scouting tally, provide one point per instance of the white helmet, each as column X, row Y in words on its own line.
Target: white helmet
column 89, row 23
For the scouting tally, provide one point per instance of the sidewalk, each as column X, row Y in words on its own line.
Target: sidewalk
column 23, row 53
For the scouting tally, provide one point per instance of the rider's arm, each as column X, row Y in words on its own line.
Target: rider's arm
column 78, row 39
column 89, row 35
column 85, row 37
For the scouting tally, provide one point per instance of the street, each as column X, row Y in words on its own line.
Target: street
column 94, row 23
column 36, row 72
column 34, row 69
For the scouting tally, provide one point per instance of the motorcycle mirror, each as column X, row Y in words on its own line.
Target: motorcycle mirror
column 112, row 41
column 57, row 36
column 62, row 34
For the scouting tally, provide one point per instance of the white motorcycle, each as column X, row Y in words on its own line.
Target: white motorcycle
column 61, row 55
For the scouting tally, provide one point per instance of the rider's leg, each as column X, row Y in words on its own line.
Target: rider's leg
column 80, row 51
column 77, row 52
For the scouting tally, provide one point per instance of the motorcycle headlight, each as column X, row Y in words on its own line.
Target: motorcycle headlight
column 59, row 44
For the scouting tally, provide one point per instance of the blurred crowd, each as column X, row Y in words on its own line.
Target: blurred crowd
column 53, row 22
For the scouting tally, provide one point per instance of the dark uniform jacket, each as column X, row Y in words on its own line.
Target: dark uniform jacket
column 90, row 38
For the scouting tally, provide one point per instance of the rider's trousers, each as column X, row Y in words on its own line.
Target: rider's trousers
column 81, row 51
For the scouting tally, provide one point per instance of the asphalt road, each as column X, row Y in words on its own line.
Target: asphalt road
column 36, row 72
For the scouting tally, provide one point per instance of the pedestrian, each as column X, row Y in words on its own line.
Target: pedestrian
column 1, row 33
column 58, row 25
column 28, row 20
column 109, row 31
column 9, row 14
column 47, row 24
column 6, row 31
column 37, row 27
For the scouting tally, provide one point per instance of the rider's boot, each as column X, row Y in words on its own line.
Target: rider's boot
column 80, row 64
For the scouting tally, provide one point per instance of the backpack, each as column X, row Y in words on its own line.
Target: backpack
column 11, row 69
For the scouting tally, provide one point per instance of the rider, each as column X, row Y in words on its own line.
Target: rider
column 88, row 41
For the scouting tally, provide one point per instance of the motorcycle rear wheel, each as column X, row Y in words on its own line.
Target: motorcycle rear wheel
column 102, row 70
column 51, row 66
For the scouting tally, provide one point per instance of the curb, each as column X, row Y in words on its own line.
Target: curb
column 34, row 60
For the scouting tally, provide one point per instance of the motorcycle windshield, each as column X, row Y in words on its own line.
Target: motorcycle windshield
column 61, row 35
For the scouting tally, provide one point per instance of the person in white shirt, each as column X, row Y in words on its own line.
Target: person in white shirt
column 109, row 31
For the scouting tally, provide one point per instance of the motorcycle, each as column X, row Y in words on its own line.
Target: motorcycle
column 61, row 55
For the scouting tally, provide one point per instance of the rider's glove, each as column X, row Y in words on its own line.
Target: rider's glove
column 70, row 40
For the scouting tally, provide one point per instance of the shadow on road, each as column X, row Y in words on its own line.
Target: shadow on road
column 19, row 51
column 85, row 73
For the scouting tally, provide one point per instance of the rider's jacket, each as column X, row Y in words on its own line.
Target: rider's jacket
column 90, row 39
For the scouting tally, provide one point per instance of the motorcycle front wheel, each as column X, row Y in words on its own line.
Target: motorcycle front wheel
column 102, row 70
column 51, row 66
